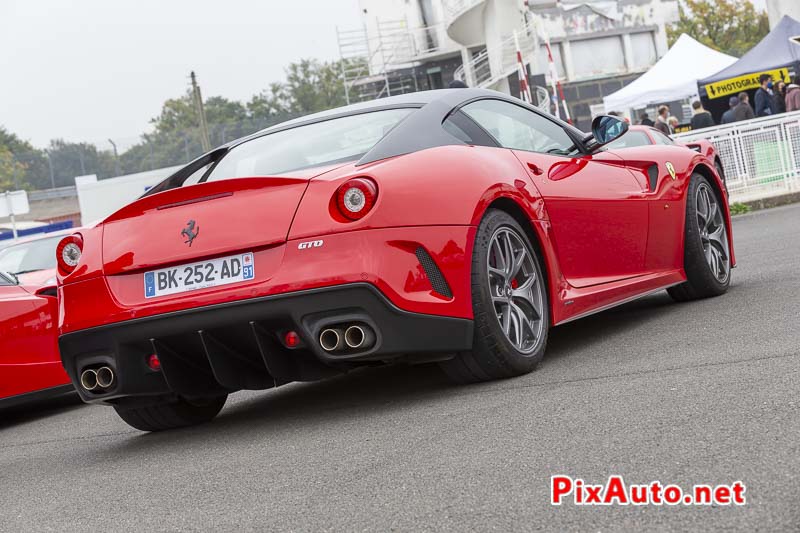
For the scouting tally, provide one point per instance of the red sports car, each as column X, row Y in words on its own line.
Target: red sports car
column 454, row 226
column 30, row 368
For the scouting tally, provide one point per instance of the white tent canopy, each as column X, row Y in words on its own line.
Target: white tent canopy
column 673, row 77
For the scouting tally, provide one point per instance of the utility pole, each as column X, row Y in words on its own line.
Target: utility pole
column 50, row 166
column 116, row 157
column 201, row 113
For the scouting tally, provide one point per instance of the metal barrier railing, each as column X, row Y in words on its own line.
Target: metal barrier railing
column 760, row 157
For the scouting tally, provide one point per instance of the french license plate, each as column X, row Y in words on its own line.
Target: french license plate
column 202, row 275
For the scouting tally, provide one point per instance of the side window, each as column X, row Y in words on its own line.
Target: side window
column 4, row 281
column 629, row 140
column 515, row 127
column 661, row 138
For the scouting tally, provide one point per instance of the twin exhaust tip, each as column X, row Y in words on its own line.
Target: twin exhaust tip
column 102, row 378
column 355, row 337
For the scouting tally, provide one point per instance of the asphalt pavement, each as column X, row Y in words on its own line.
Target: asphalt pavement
column 702, row 392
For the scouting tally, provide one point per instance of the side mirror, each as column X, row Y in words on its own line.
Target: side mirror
column 606, row 128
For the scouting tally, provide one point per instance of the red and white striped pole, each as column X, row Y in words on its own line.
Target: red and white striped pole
column 522, row 73
column 558, row 91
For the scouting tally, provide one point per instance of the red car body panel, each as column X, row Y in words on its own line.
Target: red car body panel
column 29, row 359
column 606, row 232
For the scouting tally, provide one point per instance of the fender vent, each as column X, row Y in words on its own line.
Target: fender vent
column 435, row 276
column 652, row 175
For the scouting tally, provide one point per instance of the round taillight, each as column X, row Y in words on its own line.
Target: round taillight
column 68, row 253
column 356, row 197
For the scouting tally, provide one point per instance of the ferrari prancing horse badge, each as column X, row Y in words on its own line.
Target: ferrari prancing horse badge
column 671, row 170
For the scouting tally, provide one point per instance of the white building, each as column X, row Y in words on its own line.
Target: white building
column 597, row 45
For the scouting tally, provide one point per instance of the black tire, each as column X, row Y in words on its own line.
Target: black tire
column 180, row 413
column 701, row 281
column 493, row 355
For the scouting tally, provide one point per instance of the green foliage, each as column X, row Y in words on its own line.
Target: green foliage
column 174, row 139
column 738, row 208
column 730, row 26
column 28, row 170
column 11, row 171
column 78, row 159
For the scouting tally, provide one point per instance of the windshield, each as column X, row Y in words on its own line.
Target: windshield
column 322, row 143
column 29, row 256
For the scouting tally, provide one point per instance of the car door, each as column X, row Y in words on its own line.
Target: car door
column 599, row 221
column 29, row 358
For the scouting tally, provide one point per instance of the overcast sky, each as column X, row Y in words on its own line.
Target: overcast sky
column 86, row 70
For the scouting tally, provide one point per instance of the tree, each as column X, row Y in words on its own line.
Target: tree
column 32, row 171
column 78, row 159
column 11, row 171
column 313, row 86
column 730, row 26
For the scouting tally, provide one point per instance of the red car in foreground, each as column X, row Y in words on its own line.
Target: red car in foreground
column 454, row 226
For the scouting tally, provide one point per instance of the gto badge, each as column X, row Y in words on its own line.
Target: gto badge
column 309, row 244
column 671, row 170
column 191, row 231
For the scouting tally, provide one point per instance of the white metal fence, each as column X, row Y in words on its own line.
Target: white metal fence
column 760, row 157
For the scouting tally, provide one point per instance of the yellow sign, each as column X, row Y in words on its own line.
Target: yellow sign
column 718, row 89
column 671, row 170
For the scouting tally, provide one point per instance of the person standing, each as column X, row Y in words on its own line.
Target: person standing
column 662, row 118
column 644, row 120
column 673, row 123
column 743, row 111
column 700, row 117
column 780, row 97
column 765, row 100
column 793, row 95
column 728, row 116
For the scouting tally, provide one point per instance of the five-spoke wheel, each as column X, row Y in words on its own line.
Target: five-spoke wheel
column 515, row 288
column 713, row 235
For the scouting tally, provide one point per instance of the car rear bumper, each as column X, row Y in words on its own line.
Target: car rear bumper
column 221, row 348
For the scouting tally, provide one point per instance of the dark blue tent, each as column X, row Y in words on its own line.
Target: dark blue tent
column 777, row 54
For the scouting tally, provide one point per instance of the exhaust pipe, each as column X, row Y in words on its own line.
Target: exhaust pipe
column 105, row 377
column 331, row 339
column 89, row 379
column 359, row 337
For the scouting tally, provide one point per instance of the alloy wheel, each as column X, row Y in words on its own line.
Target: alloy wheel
column 516, row 289
column 713, row 234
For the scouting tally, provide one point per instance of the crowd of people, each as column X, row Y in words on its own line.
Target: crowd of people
column 770, row 99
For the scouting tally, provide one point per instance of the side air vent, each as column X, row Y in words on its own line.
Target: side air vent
column 435, row 276
column 652, row 175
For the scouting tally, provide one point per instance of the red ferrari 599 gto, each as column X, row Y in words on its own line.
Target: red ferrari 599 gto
column 454, row 226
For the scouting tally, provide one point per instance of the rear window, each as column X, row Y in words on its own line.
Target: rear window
column 322, row 143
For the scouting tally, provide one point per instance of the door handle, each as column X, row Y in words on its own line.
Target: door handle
column 535, row 169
